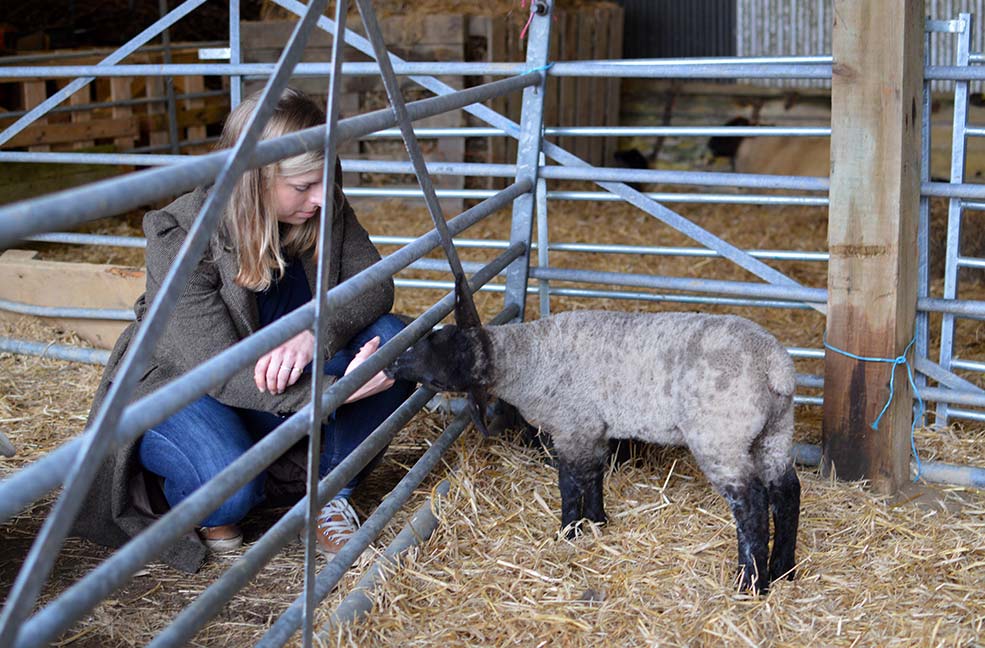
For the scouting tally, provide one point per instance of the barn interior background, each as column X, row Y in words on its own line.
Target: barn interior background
column 873, row 571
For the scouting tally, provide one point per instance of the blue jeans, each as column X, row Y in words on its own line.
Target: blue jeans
column 198, row 442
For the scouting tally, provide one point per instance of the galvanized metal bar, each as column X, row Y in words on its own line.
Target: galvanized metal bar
column 696, row 199
column 286, row 625
column 53, row 351
column 194, row 616
column 73, row 207
column 116, row 570
column 746, row 289
column 933, row 472
column 922, row 320
column 40, row 559
column 92, row 105
column 528, row 157
column 21, row 308
column 30, row 58
column 623, row 131
column 964, row 307
column 325, row 228
column 975, row 132
column 31, row 482
column 125, row 50
column 958, row 148
column 926, row 366
column 235, row 55
column 692, row 69
column 948, row 190
column 399, row 108
column 970, row 262
column 543, row 243
column 418, row 530
column 613, row 248
column 584, row 171
column 969, row 365
column 583, row 196
column 73, row 238
column 90, row 158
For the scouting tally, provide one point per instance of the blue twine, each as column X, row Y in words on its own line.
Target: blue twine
column 898, row 360
column 542, row 68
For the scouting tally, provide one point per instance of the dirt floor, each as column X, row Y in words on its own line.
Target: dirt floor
column 871, row 571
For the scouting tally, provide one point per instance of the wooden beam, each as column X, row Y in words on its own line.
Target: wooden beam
column 42, row 135
column 875, row 188
column 25, row 279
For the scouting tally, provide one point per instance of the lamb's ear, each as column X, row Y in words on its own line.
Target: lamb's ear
column 466, row 316
column 478, row 399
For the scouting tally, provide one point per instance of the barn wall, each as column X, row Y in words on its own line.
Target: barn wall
column 669, row 28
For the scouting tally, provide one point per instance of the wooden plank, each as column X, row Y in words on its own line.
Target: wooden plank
column 120, row 90
column 600, row 49
column 155, row 90
column 81, row 98
column 552, row 91
column 875, row 189
column 210, row 113
column 193, row 84
column 569, row 85
column 584, row 104
column 32, row 94
column 614, row 84
column 496, row 52
column 34, row 136
column 27, row 280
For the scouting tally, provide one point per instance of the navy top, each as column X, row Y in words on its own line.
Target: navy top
column 283, row 296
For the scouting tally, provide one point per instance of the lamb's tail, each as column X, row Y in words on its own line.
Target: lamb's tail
column 780, row 371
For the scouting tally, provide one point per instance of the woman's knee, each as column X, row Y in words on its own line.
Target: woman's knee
column 387, row 327
column 237, row 506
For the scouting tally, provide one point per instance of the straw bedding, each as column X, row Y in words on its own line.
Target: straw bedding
column 872, row 571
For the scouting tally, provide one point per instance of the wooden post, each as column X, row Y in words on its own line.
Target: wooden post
column 81, row 98
column 120, row 90
column 32, row 94
column 872, row 224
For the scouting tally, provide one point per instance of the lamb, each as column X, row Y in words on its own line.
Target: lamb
column 720, row 385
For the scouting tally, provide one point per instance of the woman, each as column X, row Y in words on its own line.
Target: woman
column 261, row 265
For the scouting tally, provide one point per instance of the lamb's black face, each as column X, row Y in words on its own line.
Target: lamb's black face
column 441, row 361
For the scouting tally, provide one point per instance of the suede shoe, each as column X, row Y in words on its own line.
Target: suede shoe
column 221, row 539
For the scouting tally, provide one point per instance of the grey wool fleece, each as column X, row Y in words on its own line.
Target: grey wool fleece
column 710, row 382
column 212, row 314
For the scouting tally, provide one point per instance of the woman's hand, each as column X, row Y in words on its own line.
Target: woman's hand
column 374, row 385
column 281, row 367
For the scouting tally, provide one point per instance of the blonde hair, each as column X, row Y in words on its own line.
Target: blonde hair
column 250, row 220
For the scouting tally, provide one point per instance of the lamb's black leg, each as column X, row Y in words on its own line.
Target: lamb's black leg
column 784, row 496
column 750, row 507
column 572, row 496
column 594, row 477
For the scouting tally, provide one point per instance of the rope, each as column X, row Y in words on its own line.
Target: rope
column 530, row 19
column 898, row 360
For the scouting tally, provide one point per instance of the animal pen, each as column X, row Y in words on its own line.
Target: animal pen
column 888, row 344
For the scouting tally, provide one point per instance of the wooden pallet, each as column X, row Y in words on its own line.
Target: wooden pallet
column 122, row 126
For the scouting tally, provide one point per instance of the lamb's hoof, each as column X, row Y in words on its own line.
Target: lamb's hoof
column 746, row 582
column 780, row 573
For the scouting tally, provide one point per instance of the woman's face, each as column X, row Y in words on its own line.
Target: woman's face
column 297, row 198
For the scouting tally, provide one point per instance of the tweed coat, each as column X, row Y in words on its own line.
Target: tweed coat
column 212, row 314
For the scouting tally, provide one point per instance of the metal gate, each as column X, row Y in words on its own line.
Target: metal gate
column 73, row 465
